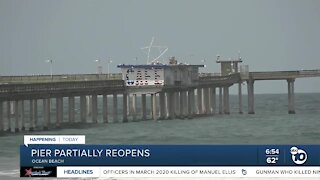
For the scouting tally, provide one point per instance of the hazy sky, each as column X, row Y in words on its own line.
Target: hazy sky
column 272, row 35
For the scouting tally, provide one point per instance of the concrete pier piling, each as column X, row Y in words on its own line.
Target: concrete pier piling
column 46, row 113
column 125, row 107
column 21, row 116
column 151, row 106
column 172, row 98
column 20, row 111
column 33, row 114
column 31, row 128
column 1, row 116
column 89, row 105
column 16, row 116
column 83, row 109
column 105, row 108
column 94, row 110
column 134, row 107
column 154, row 107
column 71, row 109
column 191, row 103
column 240, row 98
column 213, row 100
column 199, row 97
column 115, row 108
column 178, row 104
column 128, row 105
column 9, row 124
column 183, row 104
column 166, row 105
column 206, row 99
column 226, row 108
column 59, row 111
column 220, row 100
column 162, row 99
column 144, row 106
column 170, row 104
column 291, row 107
column 250, row 85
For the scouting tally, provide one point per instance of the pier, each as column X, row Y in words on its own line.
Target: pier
column 164, row 92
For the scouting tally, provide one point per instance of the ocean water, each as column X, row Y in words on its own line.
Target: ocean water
column 271, row 124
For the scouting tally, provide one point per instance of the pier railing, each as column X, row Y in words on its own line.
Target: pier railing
column 8, row 91
column 280, row 75
column 59, row 78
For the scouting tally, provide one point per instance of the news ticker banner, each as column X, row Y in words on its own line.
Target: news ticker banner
column 170, row 171
column 185, row 171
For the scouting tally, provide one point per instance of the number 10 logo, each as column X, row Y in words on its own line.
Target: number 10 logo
column 299, row 156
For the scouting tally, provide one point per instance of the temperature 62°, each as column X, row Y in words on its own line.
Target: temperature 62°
column 272, row 160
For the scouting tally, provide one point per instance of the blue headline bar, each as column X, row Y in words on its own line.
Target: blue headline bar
column 169, row 155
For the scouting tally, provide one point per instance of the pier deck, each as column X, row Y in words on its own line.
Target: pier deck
column 174, row 101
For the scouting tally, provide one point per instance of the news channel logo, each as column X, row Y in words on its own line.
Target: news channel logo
column 298, row 156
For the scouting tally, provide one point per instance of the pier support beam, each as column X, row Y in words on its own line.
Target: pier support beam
column 105, row 108
column 11, row 112
column 171, row 105
column 115, row 108
column 250, row 85
column 94, row 108
column 162, row 98
column 191, row 104
column 1, row 116
column 240, row 97
column 178, row 104
column 83, row 109
column 71, row 102
column 16, row 116
column 183, row 104
column 33, row 114
column 134, row 107
column 31, row 123
column 199, row 97
column 206, row 99
column 226, row 100
column 174, row 104
column 144, row 106
column 89, row 105
column 220, row 100
column 8, row 116
column 213, row 100
column 21, row 116
column 125, row 107
column 154, row 106
column 291, row 106
column 151, row 106
column 59, row 109
column 46, row 113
